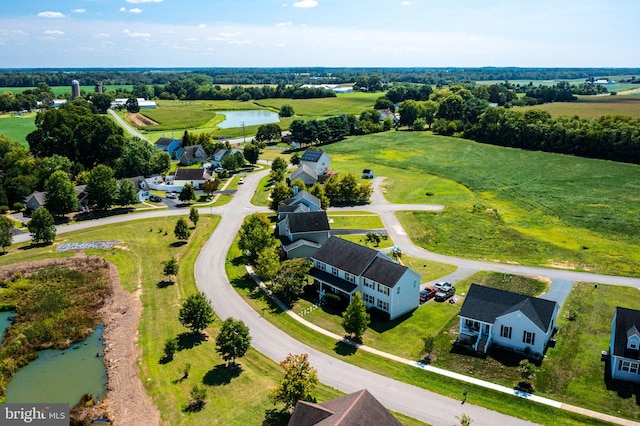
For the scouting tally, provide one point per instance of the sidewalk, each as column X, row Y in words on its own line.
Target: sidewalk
column 442, row 372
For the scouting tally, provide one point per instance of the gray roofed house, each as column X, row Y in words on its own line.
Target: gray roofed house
column 192, row 155
column 170, row 145
column 305, row 173
column 39, row 199
column 142, row 188
column 318, row 161
column 491, row 316
column 624, row 347
column 355, row 409
column 196, row 177
column 294, row 204
column 303, row 233
column 343, row 267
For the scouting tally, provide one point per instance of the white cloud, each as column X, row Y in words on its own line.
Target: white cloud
column 79, row 10
column 143, row 1
column 406, row 3
column 168, row 32
column 240, row 42
column 123, row 9
column 102, row 35
column 305, row 3
column 49, row 14
column 284, row 24
column 135, row 10
column 281, row 45
column 191, row 39
column 53, row 32
column 202, row 26
column 136, row 35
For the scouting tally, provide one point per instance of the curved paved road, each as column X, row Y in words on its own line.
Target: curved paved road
column 126, row 125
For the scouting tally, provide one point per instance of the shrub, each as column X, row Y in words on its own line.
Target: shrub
column 17, row 207
column 170, row 348
column 4, row 209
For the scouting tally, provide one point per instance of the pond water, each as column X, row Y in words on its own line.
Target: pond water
column 4, row 322
column 249, row 118
column 60, row 376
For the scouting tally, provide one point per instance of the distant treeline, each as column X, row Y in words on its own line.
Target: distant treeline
column 275, row 76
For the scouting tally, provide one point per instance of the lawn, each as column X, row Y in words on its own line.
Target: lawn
column 18, row 128
column 145, row 244
column 319, row 108
column 505, row 204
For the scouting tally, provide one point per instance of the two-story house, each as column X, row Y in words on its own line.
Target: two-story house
column 170, row 145
column 344, row 268
column 192, row 155
column 301, row 202
column 625, row 345
column 520, row 323
column 318, row 161
column 302, row 234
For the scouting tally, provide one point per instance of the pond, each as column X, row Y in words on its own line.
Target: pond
column 5, row 322
column 249, row 118
column 60, row 376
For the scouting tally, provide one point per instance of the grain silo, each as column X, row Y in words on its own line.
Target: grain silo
column 75, row 89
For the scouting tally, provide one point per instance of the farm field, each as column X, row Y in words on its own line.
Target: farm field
column 593, row 106
column 617, row 87
column 505, row 204
column 62, row 90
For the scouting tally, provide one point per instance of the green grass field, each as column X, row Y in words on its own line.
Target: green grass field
column 505, row 204
column 593, row 106
column 18, row 128
column 63, row 90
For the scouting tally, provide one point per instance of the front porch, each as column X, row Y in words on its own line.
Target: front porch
column 474, row 335
column 333, row 284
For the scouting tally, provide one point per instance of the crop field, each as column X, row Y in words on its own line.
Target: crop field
column 17, row 128
column 348, row 103
column 506, row 204
column 62, row 90
column 594, row 106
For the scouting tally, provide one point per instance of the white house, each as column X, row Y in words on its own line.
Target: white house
column 318, row 161
column 301, row 202
column 490, row 316
column 305, row 173
column 625, row 345
column 195, row 177
column 142, row 188
column 343, row 268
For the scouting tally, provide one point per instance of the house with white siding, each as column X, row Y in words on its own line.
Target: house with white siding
column 513, row 321
column 625, row 345
column 344, row 268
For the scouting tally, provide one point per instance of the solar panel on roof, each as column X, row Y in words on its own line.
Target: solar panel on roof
column 311, row 155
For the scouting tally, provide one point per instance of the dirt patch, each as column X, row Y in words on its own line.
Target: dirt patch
column 140, row 120
column 126, row 401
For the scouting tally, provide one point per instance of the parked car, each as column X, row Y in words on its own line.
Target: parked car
column 171, row 195
column 155, row 199
column 218, row 170
column 427, row 294
column 442, row 285
column 240, row 181
column 444, row 294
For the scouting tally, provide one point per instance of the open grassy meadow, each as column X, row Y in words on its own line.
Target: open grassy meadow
column 505, row 204
column 18, row 128
column 593, row 106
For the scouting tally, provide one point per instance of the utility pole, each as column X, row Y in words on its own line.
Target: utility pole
column 244, row 140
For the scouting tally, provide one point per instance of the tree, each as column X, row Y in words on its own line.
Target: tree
column 295, row 158
column 279, row 193
column 286, row 111
column 255, row 235
column 318, row 191
column 182, row 231
column 61, row 195
column 408, row 111
column 41, row 226
column 234, row 340
column 102, row 101
column 527, row 370
column 170, row 267
column 291, row 279
column 6, row 237
column 132, row 105
column 252, row 152
column 267, row 263
column 428, row 345
column 198, row 395
column 465, row 419
column 268, row 132
column 278, row 163
column 298, row 383
column 102, row 187
column 210, row 186
column 196, row 313
column 188, row 193
column 127, row 194
column 355, row 319
column 194, row 216
column 170, row 348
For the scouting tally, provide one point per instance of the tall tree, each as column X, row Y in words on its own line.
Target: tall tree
column 102, row 101
column 170, row 267
column 286, row 110
column 291, row 279
column 355, row 319
column 102, row 187
column 298, row 383
column 196, row 313
column 234, row 340
column 6, row 237
column 252, row 152
column 194, row 215
column 181, row 230
column 210, row 186
column 267, row 262
column 41, row 226
column 279, row 193
column 132, row 105
column 61, row 197
column 255, row 234
column 127, row 194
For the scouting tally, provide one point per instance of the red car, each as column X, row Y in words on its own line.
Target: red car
column 427, row 294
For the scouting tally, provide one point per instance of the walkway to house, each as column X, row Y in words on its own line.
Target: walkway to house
column 436, row 370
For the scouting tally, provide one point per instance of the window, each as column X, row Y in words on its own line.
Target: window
column 383, row 289
column 349, row 277
column 633, row 343
column 369, row 299
column 334, row 271
column 529, row 338
column 472, row 325
column 321, row 266
column 369, row 284
column 383, row 305
column 398, row 291
column 505, row 331
column 628, row 366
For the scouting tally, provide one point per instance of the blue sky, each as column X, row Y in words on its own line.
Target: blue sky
column 329, row 33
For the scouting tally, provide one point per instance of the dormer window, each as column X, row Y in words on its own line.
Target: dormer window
column 632, row 343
